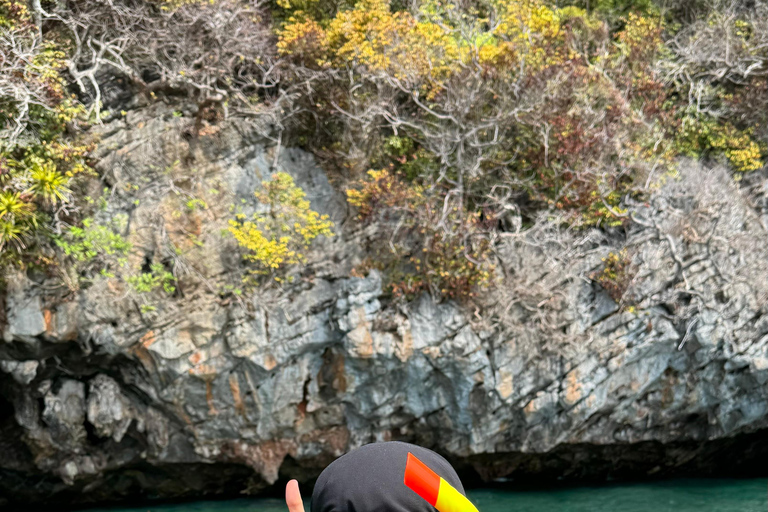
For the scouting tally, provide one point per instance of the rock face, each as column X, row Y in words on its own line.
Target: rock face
column 210, row 391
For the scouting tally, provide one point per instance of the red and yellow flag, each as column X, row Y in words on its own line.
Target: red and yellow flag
column 430, row 486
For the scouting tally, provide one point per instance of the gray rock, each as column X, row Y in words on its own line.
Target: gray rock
column 108, row 410
column 24, row 310
column 64, row 414
column 23, row 372
column 224, row 391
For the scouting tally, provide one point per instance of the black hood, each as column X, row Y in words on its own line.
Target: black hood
column 370, row 479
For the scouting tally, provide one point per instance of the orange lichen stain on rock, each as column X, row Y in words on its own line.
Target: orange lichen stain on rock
column 143, row 355
column 234, row 387
column 530, row 407
column 269, row 361
column 115, row 286
column 48, row 317
column 433, row 352
column 182, row 225
column 209, row 130
column 404, row 349
column 360, row 337
column 505, row 387
column 195, row 357
column 148, row 339
column 140, row 350
column 572, row 388
column 209, row 397
column 204, row 371
column 181, row 413
column 302, row 408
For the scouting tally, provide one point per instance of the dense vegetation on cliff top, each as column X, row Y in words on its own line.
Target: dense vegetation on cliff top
column 449, row 123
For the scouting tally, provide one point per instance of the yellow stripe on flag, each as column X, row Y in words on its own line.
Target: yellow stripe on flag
column 451, row 500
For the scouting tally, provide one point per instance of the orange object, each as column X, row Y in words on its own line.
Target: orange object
column 434, row 489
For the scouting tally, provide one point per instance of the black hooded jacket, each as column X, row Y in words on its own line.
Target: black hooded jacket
column 370, row 479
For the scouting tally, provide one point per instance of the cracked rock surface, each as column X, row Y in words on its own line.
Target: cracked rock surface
column 218, row 393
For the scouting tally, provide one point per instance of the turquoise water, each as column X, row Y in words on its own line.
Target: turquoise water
column 673, row 496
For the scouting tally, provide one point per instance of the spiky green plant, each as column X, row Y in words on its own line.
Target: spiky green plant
column 48, row 184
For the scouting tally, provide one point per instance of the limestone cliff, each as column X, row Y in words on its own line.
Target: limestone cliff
column 218, row 393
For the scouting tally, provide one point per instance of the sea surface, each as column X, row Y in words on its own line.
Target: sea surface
column 672, row 496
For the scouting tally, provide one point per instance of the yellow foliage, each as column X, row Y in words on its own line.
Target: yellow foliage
column 742, row 152
column 737, row 146
column 364, row 34
column 383, row 190
column 617, row 274
column 530, row 31
column 276, row 238
column 13, row 13
column 303, row 38
column 420, row 53
column 426, row 49
column 417, row 52
column 640, row 40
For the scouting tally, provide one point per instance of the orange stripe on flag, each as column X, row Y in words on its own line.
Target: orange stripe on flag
column 435, row 490
column 422, row 480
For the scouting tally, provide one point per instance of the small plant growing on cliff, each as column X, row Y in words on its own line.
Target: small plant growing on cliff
column 616, row 275
column 92, row 248
column 157, row 277
column 279, row 235
column 89, row 241
column 147, row 282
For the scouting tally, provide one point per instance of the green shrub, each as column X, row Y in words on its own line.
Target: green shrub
column 157, row 277
column 93, row 248
column 91, row 241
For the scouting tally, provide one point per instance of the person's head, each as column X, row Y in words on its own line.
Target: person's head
column 385, row 477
